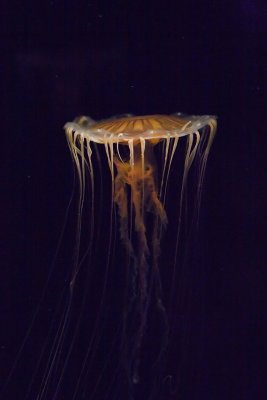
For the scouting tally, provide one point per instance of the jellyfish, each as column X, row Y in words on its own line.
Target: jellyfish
column 139, row 153
column 117, row 330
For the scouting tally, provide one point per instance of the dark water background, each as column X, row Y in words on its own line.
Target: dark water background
column 60, row 59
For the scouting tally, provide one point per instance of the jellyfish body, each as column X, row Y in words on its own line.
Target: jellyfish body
column 119, row 328
column 137, row 170
column 137, row 194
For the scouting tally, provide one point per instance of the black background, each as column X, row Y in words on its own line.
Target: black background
column 60, row 59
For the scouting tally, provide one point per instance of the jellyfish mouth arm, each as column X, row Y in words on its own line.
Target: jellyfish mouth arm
column 120, row 198
column 153, row 201
column 144, row 197
column 131, row 176
column 139, row 222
